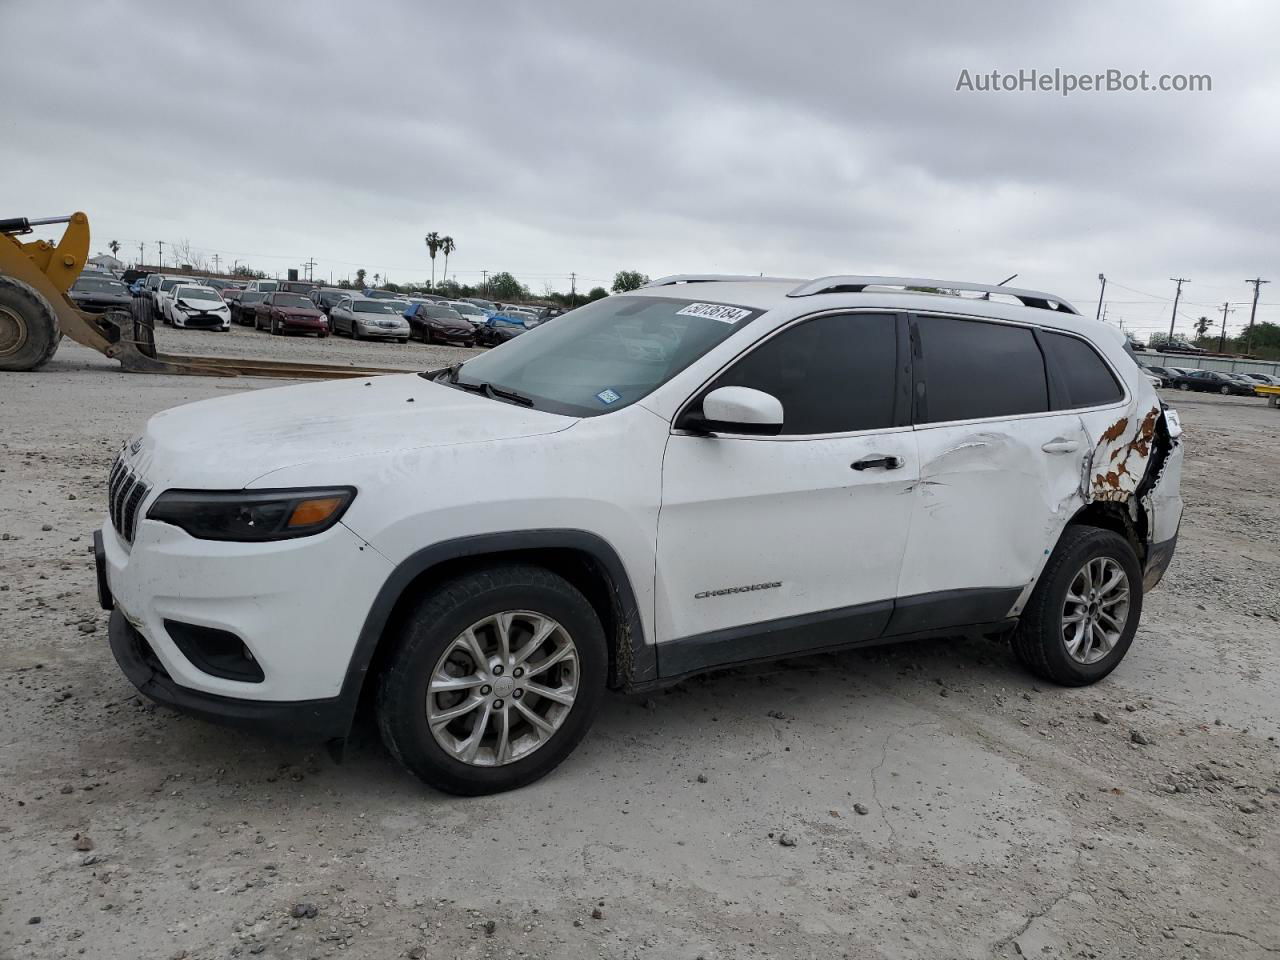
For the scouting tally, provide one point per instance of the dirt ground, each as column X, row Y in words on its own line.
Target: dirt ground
column 927, row 800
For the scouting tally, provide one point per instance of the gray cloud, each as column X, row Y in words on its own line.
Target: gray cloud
column 794, row 139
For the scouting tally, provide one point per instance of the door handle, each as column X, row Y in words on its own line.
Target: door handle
column 867, row 463
column 1061, row 445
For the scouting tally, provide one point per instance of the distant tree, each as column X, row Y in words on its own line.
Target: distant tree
column 393, row 287
column 1265, row 336
column 344, row 284
column 1202, row 327
column 114, row 247
column 360, row 278
column 377, row 278
column 1157, row 340
column 433, row 247
column 188, row 256
column 247, row 271
column 625, row 280
column 447, row 246
column 504, row 287
column 597, row 293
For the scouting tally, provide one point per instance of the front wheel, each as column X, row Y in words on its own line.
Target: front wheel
column 1224, row 391
column 1082, row 615
column 495, row 678
column 1184, row 386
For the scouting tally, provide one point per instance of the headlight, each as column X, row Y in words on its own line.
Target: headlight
column 252, row 515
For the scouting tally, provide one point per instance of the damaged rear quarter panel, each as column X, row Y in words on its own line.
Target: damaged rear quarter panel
column 1120, row 457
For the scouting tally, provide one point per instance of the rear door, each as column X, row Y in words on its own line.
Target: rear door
column 771, row 545
column 999, row 469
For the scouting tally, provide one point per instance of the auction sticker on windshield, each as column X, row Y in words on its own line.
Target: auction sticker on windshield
column 608, row 396
column 715, row 311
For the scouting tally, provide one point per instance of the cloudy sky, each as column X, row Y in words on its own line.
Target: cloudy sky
column 796, row 139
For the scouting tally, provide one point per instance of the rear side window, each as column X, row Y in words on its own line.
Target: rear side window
column 833, row 374
column 1085, row 376
column 976, row 369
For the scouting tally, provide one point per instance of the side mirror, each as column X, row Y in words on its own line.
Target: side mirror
column 736, row 410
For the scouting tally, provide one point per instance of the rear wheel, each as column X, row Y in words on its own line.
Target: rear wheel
column 1184, row 386
column 1224, row 390
column 495, row 678
column 29, row 331
column 1083, row 613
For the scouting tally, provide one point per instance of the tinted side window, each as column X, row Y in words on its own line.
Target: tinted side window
column 978, row 369
column 833, row 374
column 1088, row 380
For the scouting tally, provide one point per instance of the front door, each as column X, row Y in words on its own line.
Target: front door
column 768, row 546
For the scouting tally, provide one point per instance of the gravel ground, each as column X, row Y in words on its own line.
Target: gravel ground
column 927, row 800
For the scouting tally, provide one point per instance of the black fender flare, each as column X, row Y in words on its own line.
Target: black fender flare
column 637, row 660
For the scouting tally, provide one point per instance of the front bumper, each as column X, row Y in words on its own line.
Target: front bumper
column 277, row 598
column 304, row 324
column 390, row 333
column 310, row 720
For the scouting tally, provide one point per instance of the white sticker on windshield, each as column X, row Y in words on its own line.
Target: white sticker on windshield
column 715, row 311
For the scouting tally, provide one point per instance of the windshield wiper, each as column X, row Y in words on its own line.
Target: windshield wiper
column 450, row 375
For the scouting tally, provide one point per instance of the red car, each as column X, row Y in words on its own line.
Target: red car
column 282, row 312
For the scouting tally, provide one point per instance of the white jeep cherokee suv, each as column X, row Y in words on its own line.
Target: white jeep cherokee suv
column 704, row 472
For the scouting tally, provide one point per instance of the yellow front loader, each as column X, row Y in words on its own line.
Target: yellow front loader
column 36, row 312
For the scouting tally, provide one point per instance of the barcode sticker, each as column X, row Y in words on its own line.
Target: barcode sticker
column 715, row 311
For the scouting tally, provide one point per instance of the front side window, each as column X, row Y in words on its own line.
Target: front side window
column 608, row 354
column 833, row 374
column 975, row 369
column 1084, row 375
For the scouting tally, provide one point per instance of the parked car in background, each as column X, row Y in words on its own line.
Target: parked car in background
column 164, row 293
column 137, row 287
column 232, row 296
column 325, row 297
column 372, row 294
column 488, row 306
column 1178, row 346
column 1265, row 379
column 500, row 328
column 1164, row 374
column 243, row 306
column 429, row 297
column 303, row 287
column 468, row 311
column 361, row 317
column 1211, row 381
column 98, row 294
column 436, row 323
column 281, row 312
column 265, row 286
column 151, row 291
column 195, row 305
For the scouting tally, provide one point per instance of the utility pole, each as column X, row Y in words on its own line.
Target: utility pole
column 216, row 260
column 1253, row 312
column 1174, row 319
column 573, row 289
column 1101, row 293
column 1222, row 339
column 485, row 274
column 311, row 266
column 142, row 256
column 161, row 242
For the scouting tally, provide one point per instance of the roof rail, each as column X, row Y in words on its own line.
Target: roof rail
column 710, row 278
column 852, row 284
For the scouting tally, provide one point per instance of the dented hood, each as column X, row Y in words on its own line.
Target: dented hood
column 228, row 442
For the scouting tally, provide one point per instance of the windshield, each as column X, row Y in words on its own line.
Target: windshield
column 100, row 285
column 380, row 306
column 469, row 309
column 249, row 296
column 196, row 293
column 292, row 300
column 608, row 354
column 441, row 313
column 266, row 286
column 168, row 285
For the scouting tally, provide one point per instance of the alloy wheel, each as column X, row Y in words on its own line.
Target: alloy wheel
column 502, row 688
column 1095, row 610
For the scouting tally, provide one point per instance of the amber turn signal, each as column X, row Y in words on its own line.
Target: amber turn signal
column 308, row 513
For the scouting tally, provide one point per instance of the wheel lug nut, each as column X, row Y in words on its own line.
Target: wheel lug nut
column 518, row 672
column 485, row 690
column 497, row 704
column 517, row 694
column 497, row 671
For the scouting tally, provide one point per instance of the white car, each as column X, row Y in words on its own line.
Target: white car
column 160, row 285
column 468, row 311
column 264, row 286
column 681, row 478
column 195, row 305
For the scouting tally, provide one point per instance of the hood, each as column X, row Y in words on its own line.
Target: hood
column 229, row 442
column 298, row 312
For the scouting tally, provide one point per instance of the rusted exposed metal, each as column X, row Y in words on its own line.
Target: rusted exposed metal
column 1120, row 458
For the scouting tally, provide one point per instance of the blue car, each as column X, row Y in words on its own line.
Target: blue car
column 135, row 288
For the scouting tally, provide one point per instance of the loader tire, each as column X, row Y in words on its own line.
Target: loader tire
column 29, row 331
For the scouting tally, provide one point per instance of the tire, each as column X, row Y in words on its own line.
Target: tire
column 1224, row 391
column 403, row 693
column 1039, row 642
column 402, row 340
column 275, row 327
column 29, row 330
column 470, row 344
column 1184, row 386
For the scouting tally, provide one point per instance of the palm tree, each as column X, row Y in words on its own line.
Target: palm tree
column 377, row 278
column 447, row 246
column 433, row 245
column 114, row 247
